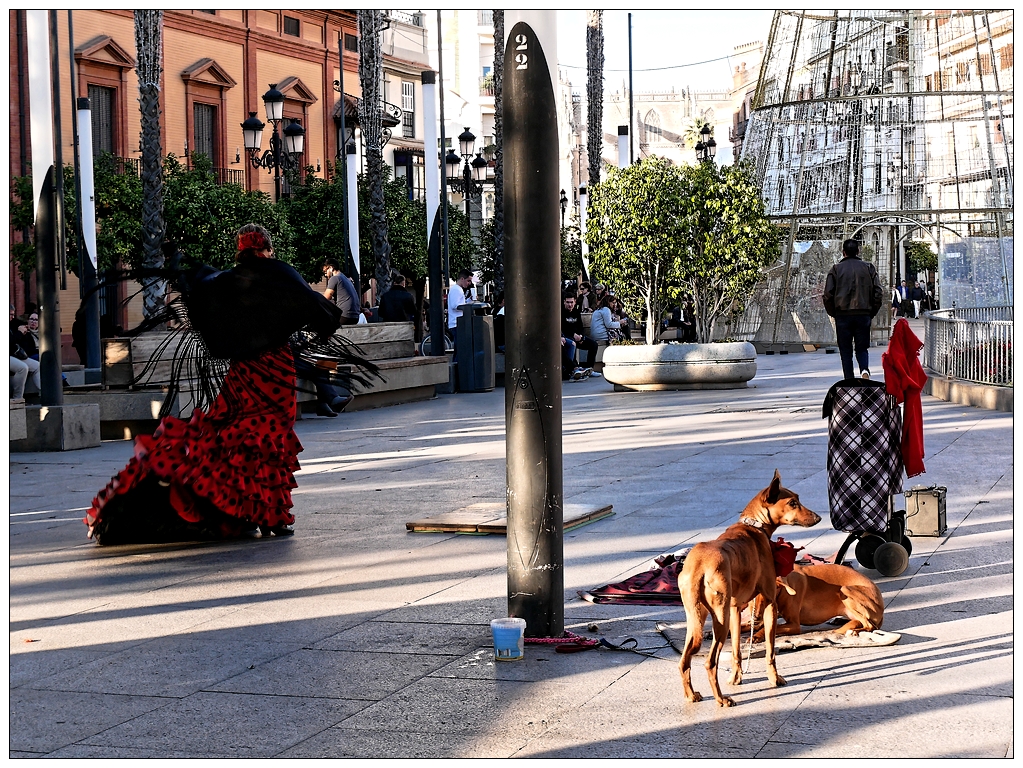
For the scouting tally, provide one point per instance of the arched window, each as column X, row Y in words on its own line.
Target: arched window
column 652, row 127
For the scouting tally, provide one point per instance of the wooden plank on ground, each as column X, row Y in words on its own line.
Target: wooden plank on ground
column 489, row 517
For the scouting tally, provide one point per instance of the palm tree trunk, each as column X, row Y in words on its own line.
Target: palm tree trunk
column 148, row 44
column 371, row 24
column 499, row 153
column 594, row 92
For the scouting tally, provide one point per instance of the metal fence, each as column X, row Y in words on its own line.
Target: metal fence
column 970, row 343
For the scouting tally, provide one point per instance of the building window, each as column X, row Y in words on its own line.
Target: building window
column 408, row 109
column 410, row 165
column 205, row 121
column 291, row 26
column 102, row 103
column 351, row 43
column 1005, row 57
column 652, row 127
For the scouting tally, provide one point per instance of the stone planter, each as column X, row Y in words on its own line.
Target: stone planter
column 644, row 367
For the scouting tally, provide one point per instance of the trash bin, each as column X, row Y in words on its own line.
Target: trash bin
column 475, row 348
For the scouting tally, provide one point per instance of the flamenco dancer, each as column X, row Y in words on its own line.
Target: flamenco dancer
column 228, row 471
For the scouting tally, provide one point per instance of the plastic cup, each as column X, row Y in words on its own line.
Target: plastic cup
column 509, row 638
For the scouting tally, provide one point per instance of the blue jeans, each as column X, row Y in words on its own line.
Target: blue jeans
column 852, row 329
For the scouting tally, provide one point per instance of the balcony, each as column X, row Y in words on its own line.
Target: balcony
column 485, row 18
column 229, row 176
column 738, row 131
column 412, row 19
column 487, row 85
column 120, row 165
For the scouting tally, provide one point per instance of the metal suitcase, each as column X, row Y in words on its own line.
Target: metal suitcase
column 925, row 510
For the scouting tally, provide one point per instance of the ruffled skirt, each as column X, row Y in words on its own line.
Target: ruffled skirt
column 217, row 475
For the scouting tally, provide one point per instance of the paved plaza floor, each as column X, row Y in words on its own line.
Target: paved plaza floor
column 355, row 638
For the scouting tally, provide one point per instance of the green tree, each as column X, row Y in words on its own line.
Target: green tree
column 203, row 217
column 118, row 214
column 118, row 217
column 571, row 252
column 462, row 246
column 920, row 258
column 315, row 212
column 635, row 234
column 726, row 241
column 23, row 254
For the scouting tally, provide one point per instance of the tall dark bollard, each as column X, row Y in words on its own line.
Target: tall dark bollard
column 51, row 389
column 532, row 279
column 435, row 265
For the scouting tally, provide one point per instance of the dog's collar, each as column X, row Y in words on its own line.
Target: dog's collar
column 751, row 522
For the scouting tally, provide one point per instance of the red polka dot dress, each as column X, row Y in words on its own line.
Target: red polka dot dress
column 221, row 471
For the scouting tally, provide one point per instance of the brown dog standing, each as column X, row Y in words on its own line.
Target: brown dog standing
column 814, row 594
column 721, row 576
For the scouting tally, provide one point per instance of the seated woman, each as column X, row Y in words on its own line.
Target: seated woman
column 229, row 470
column 606, row 325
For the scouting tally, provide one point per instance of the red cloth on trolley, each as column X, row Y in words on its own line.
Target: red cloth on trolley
column 241, row 456
column 904, row 379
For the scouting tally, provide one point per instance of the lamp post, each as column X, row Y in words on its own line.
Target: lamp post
column 285, row 151
column 473, row 172
column 706, row 147
column 564, row 205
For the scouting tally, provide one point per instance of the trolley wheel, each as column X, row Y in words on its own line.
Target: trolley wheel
column 866, row 547
column 907, row 545
column 897, row 527
column 891, row 559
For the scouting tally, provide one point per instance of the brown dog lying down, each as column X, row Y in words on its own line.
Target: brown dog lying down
column 721, row 576
column 814, row 594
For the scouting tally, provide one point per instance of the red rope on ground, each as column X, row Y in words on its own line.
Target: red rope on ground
column 566, row 637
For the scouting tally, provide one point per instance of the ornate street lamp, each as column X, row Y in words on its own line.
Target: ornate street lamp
column 473, row 172
column 564, row 206
column 706, row 148
column 285, row 152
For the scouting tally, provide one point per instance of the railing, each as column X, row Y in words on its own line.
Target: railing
column 970, row 343
column 412, row 19
column 229, row 176
column 122, row 165
column 487, row 86
column 485, row 18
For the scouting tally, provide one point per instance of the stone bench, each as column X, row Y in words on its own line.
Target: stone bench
column 18, row 425
column 391, row 346
column 75, row 375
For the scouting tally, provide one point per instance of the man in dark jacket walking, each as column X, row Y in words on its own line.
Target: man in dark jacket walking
column 853, row 295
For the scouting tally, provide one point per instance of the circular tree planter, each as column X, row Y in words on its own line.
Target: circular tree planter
column 646, row 367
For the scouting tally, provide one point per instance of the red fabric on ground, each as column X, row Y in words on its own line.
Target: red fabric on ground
column 241, row 456
column 904, row 379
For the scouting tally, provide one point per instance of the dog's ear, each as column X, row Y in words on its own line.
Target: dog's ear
column 774, row 489
column 785, row 585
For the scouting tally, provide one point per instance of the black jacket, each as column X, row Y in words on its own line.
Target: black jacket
column 397, row 306
column 572, row 322
column 253, row 307
column 853, row 288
